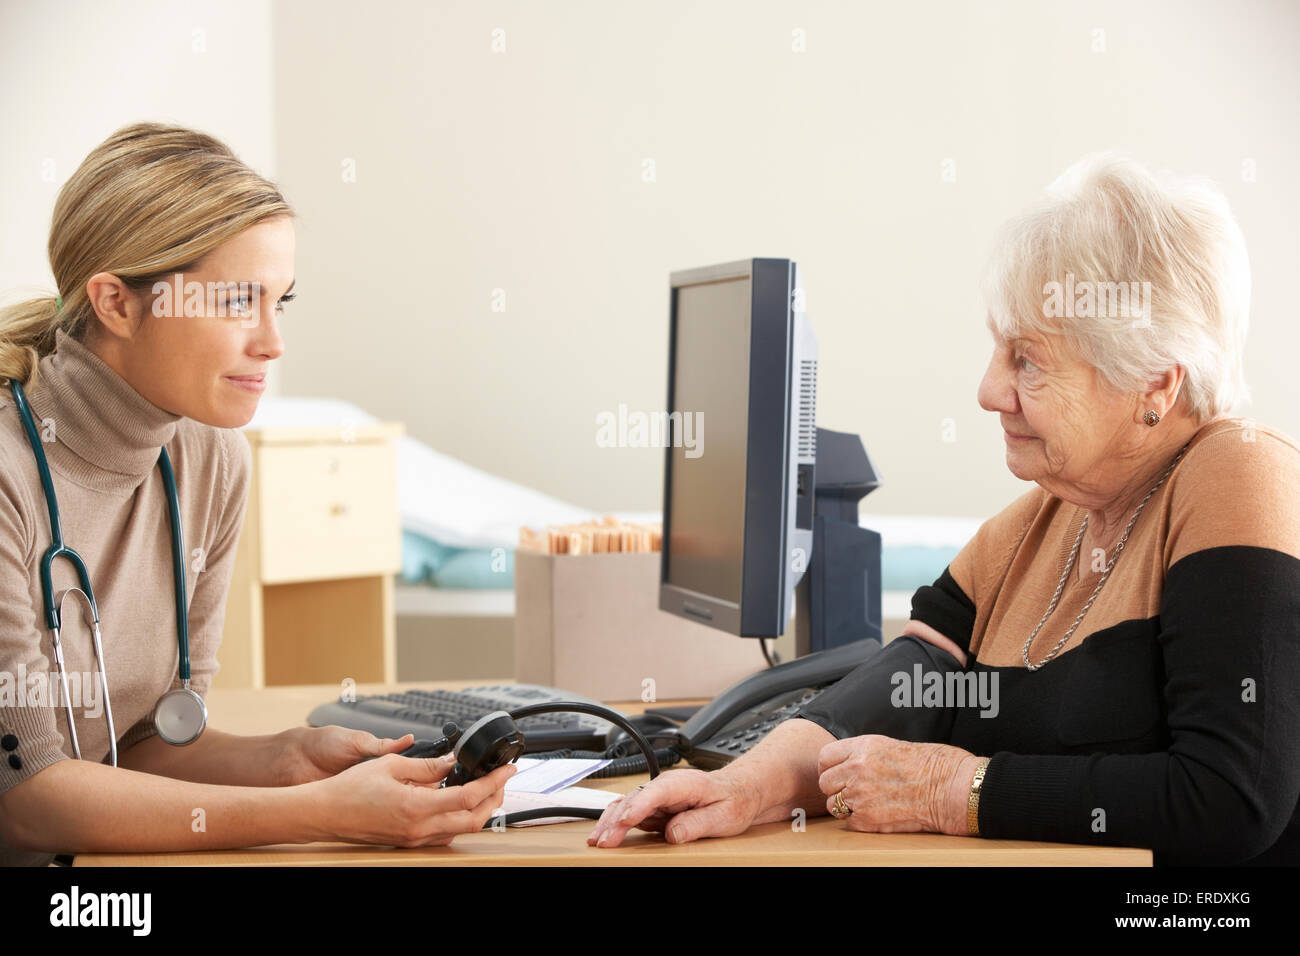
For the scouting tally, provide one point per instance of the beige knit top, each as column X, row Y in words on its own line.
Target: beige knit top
column 102, row 440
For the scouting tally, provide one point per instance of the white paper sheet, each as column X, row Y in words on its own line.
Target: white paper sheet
column 548, row 776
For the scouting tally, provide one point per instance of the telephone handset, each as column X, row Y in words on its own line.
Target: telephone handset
column 743, row 714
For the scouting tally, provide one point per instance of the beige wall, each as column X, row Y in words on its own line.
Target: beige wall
column 522, row 171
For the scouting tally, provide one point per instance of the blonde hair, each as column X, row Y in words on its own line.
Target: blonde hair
column 1108, row 220
column 149, row 201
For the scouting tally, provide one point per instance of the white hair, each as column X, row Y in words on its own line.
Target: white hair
column 1107, row 220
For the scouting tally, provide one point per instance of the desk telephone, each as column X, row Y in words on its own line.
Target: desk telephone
column 745, row 713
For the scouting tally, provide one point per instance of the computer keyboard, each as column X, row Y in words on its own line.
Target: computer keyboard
column 423, row 712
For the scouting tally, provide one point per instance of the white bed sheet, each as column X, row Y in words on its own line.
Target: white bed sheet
column 440, row 497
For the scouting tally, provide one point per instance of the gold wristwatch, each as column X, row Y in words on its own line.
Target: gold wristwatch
column 973, row 804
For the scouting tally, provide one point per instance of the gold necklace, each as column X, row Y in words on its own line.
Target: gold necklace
column 1065, row 575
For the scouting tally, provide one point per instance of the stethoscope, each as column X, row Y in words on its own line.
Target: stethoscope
column 180, row 715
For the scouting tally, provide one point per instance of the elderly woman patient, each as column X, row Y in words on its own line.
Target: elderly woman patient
column 1137, row 613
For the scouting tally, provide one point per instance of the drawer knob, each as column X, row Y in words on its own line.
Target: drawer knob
column 338, row 509
column 333, row 465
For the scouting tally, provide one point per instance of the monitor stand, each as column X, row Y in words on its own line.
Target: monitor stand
column 837, row 601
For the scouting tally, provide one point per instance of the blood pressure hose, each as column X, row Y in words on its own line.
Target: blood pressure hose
column 489, row 742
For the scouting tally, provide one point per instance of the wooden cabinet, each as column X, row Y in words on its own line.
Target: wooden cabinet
column 311, row 597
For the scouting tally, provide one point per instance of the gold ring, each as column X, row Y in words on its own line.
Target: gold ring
column 840, row 809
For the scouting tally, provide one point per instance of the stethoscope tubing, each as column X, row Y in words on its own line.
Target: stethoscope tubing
column 103, row 678
column 57, row 549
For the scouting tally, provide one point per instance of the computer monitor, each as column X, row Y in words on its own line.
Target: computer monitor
column 738, row 501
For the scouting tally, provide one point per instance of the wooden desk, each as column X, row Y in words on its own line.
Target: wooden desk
column 823, row 842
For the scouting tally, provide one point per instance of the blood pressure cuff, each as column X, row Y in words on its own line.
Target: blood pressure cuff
column 888, row 695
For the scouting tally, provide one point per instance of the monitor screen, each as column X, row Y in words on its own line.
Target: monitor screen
column 711, row 364
column 741, row 368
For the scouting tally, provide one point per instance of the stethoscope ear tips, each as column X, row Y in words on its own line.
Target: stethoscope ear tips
column 180, row 717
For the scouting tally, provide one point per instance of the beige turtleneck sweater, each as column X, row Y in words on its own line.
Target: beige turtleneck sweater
column 102, row 439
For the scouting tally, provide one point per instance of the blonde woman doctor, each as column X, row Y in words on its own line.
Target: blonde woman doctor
column 133, row 395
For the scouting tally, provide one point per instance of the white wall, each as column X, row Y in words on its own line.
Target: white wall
column 73, row 71
column 523, row 171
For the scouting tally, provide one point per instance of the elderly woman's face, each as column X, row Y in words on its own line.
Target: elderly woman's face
column 1060, row 420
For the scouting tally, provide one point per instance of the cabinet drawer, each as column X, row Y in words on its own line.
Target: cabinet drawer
column 328, row 510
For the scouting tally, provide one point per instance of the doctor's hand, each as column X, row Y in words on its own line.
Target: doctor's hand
column 314, row 753
column 684, row 804
column 896, row 786
column 396, row 801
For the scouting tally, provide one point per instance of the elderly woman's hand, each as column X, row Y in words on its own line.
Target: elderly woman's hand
column 896, row 786
column 685, row 805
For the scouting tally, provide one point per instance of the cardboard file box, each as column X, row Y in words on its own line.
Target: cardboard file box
column 591, row 624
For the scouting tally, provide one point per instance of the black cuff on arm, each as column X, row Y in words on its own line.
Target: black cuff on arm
column 864, row 701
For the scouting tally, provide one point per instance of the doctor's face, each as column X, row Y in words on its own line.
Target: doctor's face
column 203, row 348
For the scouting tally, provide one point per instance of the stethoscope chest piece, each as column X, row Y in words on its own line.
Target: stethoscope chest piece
column 180, row 717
